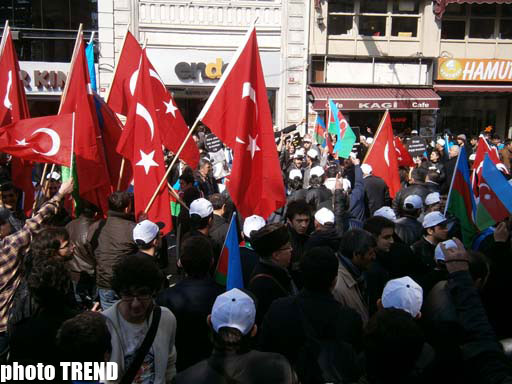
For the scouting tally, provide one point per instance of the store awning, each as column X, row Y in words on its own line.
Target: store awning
column 472, row 88
column 440, row 5
column 375, row 99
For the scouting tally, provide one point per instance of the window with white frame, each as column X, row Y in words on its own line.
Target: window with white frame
column 477, row 21
column 383, row 18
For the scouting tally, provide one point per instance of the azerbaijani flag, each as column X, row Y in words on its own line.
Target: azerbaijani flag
column 495, row 202
column 320, row 131
column 340, row 127
column 461, row 201
column 229, row 267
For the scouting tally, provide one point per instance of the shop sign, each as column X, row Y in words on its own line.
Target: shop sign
column 208, row 71
column 43, row 78
column 377, row 105
column 474, row 70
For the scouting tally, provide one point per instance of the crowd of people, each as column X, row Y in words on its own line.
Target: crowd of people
column 343, row 284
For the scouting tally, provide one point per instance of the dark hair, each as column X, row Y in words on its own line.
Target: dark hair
column 119, row 201
column 46, row 243
column 319, row 267
column 495, row 136
column 356, row 241
column 297, row 207
column 316, row 181
column 8, row 186
column 89, row 210
column 196, row 256
column 434, row 176
column 404, row 174
column 332, row 171
column 50, row 283
column 418, row 174
column 187, row 175
column 136, row 271
column 436, row 151
column 230, row 339
column 295, row 184
column 376, row 224
column 198, row 222
column 217, row 200
column 392, row 342
column 84, row 337
column 478, row 265
column 190, row 195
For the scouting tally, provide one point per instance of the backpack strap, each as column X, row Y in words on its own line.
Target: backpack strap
column 266, row 275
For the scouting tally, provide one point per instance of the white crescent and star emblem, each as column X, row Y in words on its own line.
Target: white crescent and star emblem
column 133, row 81
column 170, row 108
column 248, row 91
column 386, row 154
column 253, row 147
column 147, row 161
column 7, row 102
column 55, row 141
column 144, row 113
column 22, row 142
column 486, row 196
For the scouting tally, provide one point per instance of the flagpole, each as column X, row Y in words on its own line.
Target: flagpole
column 72, row 145
column 79, row 36
column 176, row 196
column 376, row 134
column 4, row 36
column 41, row 184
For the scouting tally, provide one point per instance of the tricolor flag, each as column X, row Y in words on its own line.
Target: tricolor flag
column 495, row 202
column 461, row 201
column 229, row 267
column 320, row 131
column 340, row 127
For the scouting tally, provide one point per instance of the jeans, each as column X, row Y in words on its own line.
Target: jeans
column 107, row 298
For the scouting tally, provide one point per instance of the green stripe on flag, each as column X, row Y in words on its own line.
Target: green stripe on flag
column 66, row 175
column 457, row 207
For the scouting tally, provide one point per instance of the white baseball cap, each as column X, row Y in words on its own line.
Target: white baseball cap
column 414, row 132
column 307, row 138
column 439, row 254
column 146, row 231
column 253, row 223
column 441, row 142
column 201, row 207
column 413, row 202
column 386, row 212
column 432, row 219
column 233, row 309
column 312, row 153
column 324, row 216
column 403, row 293
column 366, row 169
column 432, row 198
column 316, row 171
column 369, row 140
column 295, row 173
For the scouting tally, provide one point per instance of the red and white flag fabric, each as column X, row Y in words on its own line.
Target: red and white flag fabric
column 402, row 154
column 238, row 113
column 47, row 139
column 173, row 128
column 381, row 149
column 483, row 147
column 93, row 177
column 14, row 107
column 140, row 142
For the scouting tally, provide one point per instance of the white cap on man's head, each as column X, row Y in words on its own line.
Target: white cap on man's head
column 369, row 140
column 432, row 219
column 441, row 142
column 414, row 132
column 307, row 139
column 386, row 212
column 366, row 169
column 324, row 216
column 413, row 202
column 146, row 231
column 438, row 253
column 316, row 171
column 53, row 176
column 295, row 173
column 312, row 153
column 253, row 223
column 234, row 309
column 201, row 207
column 432, row 198
column 403, row 293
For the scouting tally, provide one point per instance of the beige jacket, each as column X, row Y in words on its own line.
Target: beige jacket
column 347, row 293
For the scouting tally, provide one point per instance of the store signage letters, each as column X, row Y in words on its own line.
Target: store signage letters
column 208, row 71
column 377, row 105
column 54, row 80
column 474, row 69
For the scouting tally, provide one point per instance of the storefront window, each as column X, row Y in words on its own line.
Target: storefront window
column 339, row 25
column 372, row 26
column 453, row 29
column 404, row 27
column 481, row 28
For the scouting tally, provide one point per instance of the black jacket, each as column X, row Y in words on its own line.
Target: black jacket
column 316, row 196
column 408, row 229
column 425, row 250
column 219, row 229
column 248, row 258
column 191, row 301
column 377, row 193
column 283, row 330
column 412, row 189
column 325, row 238
column 252, row 367
column 268, row 283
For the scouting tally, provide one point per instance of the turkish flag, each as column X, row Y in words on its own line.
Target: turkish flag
column 383, row 149
column 141, row 143
column 173, row 128
column 14, row 107
column 47, row 139
column 93, row 177
column 402, row 155
column 482, row 148
column 238, row 113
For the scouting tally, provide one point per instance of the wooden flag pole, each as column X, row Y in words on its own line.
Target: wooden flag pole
column 176, row 156
column 4, row 37
column 36, row 200
column 79, row 36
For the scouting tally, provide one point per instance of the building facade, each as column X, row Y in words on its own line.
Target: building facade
column 191, row 42
column 370, row 56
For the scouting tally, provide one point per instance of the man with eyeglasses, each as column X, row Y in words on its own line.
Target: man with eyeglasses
column 435, row 231
column 143, row 333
